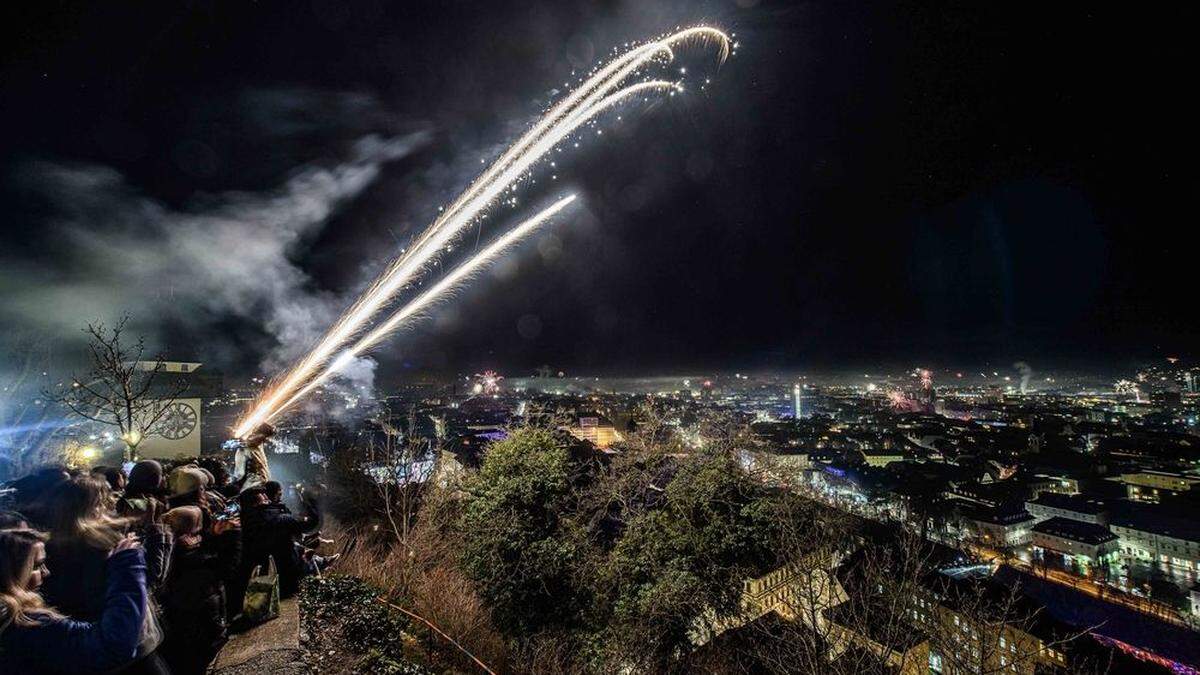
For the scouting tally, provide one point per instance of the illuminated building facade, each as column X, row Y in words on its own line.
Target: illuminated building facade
column 1152, row 486
column 596, row 430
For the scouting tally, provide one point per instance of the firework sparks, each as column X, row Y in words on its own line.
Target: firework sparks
column 438, row 291
column 595, row 95
column 1128, row 388
column 487, row 383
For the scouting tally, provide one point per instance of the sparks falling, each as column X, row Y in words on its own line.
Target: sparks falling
column 603, row 90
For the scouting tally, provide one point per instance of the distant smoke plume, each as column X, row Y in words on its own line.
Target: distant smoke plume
column 1026, row 375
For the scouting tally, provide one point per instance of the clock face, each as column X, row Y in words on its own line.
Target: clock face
column 178, row 421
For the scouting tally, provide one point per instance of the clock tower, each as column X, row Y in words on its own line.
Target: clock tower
column 178, row 432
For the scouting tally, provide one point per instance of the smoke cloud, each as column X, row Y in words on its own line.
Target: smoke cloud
column 229, row 261
column 1026, row 375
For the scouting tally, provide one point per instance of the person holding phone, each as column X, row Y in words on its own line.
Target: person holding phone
column 35, row 638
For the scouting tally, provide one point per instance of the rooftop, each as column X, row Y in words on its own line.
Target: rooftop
column 1159, row 523
column 1087, row 533
column 1076, row 503
column 1006, row 514
column 889, row 632
column 882, row 452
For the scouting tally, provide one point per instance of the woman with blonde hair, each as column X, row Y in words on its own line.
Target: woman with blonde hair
column 82, row 532
column 35, row 638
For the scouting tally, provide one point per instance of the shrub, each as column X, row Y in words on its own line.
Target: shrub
column 351, row 631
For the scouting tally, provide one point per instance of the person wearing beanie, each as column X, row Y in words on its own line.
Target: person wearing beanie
column 186, row 479
column 145, row 479
column 143, row 502
column 216, row 500
column 186, row 486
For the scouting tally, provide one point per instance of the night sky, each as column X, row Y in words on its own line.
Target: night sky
column 863, row 183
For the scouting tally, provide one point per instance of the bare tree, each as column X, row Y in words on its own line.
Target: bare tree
column 121, row 389
column 399, row 481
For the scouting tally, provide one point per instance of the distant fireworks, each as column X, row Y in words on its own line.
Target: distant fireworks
column 900, row 401
column 1128, row 388
column 487, row 383
column 600, row 92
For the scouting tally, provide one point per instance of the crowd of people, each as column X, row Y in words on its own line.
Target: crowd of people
column 145, row 570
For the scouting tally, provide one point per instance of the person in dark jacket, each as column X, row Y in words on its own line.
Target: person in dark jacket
column 193, row 598
column 81, row 536
column 145, row 484
column 271, row 530
column 37, row 639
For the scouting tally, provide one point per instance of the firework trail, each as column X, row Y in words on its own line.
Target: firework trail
column 598, row 93
column 438, row 291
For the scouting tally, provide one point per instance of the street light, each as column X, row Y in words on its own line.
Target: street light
column 131, row 439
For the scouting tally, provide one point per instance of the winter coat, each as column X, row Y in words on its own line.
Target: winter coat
column 269, row 526
column 259, row 455
column 158, row 542
column 194, row 603
column 270, row 530
column 78, row 570
column 70, row 646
